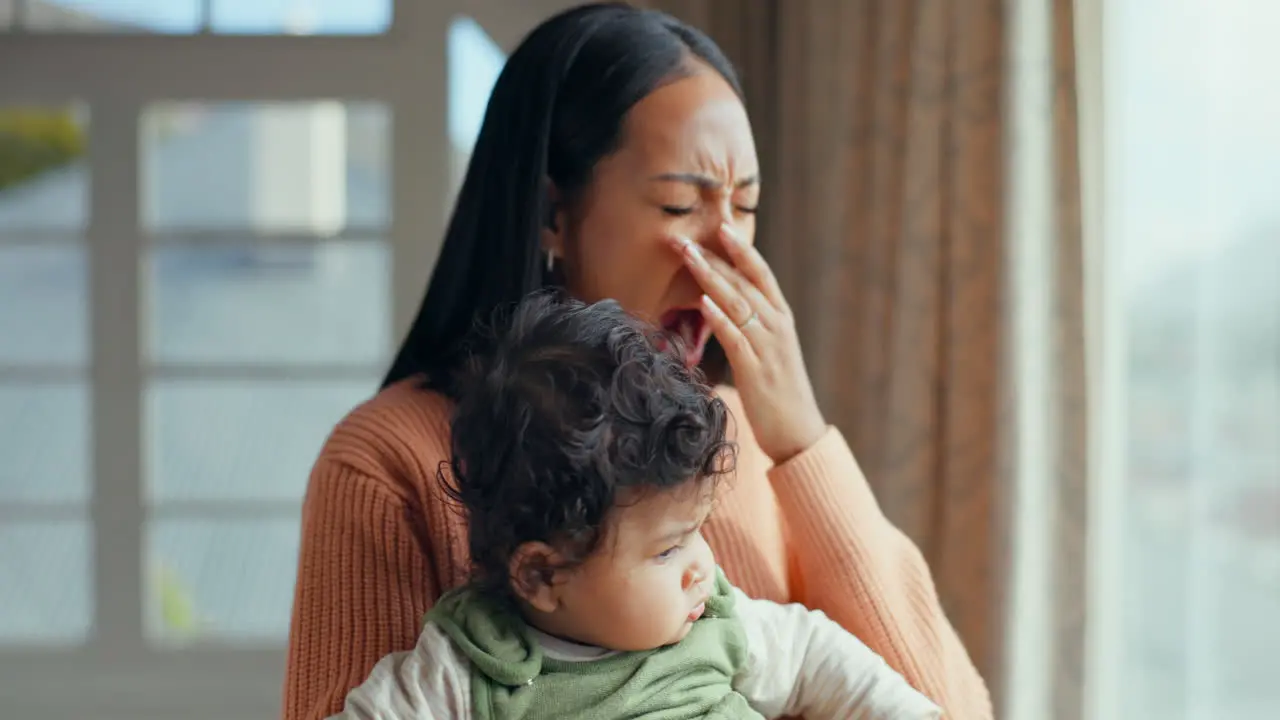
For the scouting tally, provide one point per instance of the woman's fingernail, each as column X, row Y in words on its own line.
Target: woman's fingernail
column 689, row 247
column 695, row 253
column 729, row 232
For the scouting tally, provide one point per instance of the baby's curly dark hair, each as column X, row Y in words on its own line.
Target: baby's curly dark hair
column 563, row 408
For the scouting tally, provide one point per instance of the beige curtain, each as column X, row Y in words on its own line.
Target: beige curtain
column 883, row 132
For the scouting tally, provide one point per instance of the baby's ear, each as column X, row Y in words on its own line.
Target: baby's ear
column 532, row 570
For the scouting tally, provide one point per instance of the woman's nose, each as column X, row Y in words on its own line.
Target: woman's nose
column 712, row 239
column 725, row 214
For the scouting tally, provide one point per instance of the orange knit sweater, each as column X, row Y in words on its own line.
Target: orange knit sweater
column 380, row 543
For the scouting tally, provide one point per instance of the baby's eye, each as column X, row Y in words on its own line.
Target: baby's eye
column 669, row 553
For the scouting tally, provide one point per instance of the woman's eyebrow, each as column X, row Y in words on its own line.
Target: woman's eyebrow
column 702, row 181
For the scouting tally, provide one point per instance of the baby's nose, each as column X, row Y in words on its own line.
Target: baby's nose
column 694, row 575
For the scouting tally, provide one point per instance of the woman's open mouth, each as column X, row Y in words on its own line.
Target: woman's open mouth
column 690, row 331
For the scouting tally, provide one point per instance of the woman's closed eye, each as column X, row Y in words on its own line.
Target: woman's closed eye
column 682, row 211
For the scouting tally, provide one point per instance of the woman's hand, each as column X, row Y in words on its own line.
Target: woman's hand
column 748, row 314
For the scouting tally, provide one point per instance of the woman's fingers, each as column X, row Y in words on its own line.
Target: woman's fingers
column 753, row 295
column 735, row 343
column 745, row 309
column 752, row 265
column 728, row 299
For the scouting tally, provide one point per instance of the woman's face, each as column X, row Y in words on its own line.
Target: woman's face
column 687, row 165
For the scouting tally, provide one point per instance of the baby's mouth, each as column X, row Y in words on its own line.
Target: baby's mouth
column 697, row 612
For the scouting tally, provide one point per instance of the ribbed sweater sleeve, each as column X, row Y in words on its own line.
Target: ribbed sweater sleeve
column 364, row 584
column 860, row 570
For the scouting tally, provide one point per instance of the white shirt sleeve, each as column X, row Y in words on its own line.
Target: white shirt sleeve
column 799, row 662
column 430, row 682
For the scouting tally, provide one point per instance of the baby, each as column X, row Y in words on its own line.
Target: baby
column 587, row 460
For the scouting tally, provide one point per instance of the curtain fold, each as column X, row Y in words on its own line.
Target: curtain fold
column 883, row 136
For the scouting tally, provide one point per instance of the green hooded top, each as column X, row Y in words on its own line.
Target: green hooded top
column 511, row 678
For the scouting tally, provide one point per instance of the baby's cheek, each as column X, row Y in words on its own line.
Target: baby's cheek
column 659, row 593
column 704, row 559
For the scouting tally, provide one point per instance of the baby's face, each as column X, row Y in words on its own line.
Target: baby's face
column 644, row 586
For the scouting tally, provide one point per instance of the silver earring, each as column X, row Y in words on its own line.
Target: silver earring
column 551, row 260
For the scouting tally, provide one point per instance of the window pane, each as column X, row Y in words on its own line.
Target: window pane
column 302, row 17
column 224, row 581
column 45, row 586
column 43, row 182
column 327, row 303
column 1198, row 237
column 475, row 61
column 43, row 304
column 114, row 16
column 223, row 440
column 44, row 441
column 310, row 167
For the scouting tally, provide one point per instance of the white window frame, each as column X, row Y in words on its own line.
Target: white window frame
column 1105, row 333
column 117, row 673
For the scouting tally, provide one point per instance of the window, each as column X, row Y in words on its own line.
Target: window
column 300, row 17
column 475, row 62
column 268, row 318
column 239, row 17
column 1192, row 133
column 108, row 16
column 202, row 268
column 46, row 478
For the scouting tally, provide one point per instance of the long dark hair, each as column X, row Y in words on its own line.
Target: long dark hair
column 557, row 109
